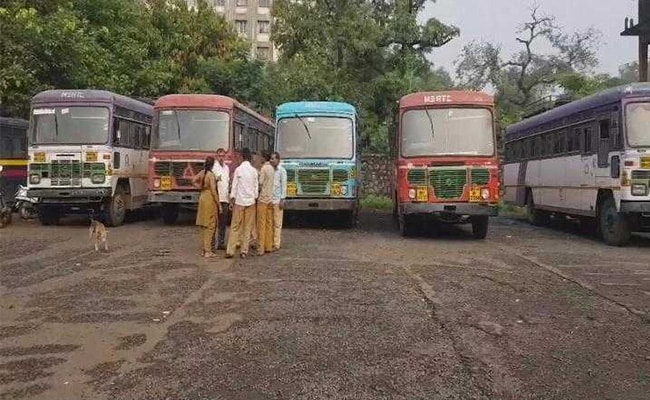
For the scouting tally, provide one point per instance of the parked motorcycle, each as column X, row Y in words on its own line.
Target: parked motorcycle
column 24, row 205
column 5, row 210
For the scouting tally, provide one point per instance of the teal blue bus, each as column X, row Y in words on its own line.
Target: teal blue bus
column 318, row 142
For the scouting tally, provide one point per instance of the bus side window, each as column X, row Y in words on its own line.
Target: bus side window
column 587, row 147
column 239, row 135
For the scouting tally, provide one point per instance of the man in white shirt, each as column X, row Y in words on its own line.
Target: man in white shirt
column 244, row 192
column 279, row 194
column 222, row 172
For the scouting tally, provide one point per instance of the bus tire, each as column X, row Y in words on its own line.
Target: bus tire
column 116, row 210
column 406, row 225
column 170, row 213
column 614, row 226
column 47, row 216
column 480, row 224
column 536, row 217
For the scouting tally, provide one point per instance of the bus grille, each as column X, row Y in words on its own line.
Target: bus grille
column 417, row 177
column 176, row 168
column 314, row 181
column 448, row 183
column 93, row 168
column 640, row 174
column 340, row 175
column 480, row 177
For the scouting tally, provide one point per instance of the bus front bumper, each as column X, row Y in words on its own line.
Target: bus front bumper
column 449, row 208
column 320, row 204
column 635, row 207
column 70, row 195
column 174, row 197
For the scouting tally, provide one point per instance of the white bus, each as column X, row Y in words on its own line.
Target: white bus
column 88, row 151
column 588, row 159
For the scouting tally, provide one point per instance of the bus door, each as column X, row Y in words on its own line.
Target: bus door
column 604, row 146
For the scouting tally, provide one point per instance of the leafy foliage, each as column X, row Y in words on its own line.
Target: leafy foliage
column 140, row 48
column 369, row 53
column 529, row 75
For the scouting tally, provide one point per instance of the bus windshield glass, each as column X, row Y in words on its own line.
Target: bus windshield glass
column 70, row 125
column 638, row 120
column 315, row 137
column 447, row 132
column 201, row 130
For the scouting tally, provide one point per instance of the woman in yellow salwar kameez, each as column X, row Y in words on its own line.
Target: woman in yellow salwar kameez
column 209, row 207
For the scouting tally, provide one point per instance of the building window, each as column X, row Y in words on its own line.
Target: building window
column 263, row 53
column 242, row 3
column 264, row 3
column 241, row 26
column 263, row 27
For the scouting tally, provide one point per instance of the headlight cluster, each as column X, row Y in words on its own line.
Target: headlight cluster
column 156, row 183
column 639, row 189
column 35, row 179
column 98, row 178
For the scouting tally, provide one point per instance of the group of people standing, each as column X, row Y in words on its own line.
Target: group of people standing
column 255, row 198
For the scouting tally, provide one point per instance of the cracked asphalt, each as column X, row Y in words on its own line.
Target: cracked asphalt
column 529, row 313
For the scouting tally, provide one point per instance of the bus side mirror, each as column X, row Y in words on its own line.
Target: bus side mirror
column 615, row 167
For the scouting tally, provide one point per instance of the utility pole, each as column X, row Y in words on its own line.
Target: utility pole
column 642, row 30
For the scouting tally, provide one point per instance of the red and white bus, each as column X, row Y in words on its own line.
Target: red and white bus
column 446, row 163
column 187, row 129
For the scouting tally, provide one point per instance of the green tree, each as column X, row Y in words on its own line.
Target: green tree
column 369, row 53
column 528, row 75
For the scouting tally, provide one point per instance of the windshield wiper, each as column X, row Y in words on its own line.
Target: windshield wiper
column 305, row 125
column 178, row 125
column 430, row 123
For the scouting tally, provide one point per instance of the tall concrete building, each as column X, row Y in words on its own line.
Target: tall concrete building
column 252, row 20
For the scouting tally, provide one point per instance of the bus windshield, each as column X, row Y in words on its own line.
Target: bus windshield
column 637, row 121
column 449, row 131
column 70, row 125
column 315, row 137
column 201, row 130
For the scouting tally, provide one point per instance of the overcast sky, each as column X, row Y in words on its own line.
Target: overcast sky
column 497, row 21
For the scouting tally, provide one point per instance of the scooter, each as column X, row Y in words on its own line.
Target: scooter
column 5, row 211
column 24, row 205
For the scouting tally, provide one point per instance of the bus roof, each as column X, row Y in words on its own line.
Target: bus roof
column 314, row 107
column 205, row 101
column 90, row 96
column 450, row 97
column 603, row 98
column 14, row 122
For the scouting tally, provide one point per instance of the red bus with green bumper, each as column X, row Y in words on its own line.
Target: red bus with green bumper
column 187, row 129
column 446, row 162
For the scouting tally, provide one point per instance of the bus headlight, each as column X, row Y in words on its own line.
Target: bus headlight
column 98, row 178
column 639, row 190
column 344, row 190
column 156, row 183
column 485, row 194
column 411, row 194
column 34, row 179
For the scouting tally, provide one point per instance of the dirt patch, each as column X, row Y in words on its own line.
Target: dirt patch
column 37, row 350
column 131, row 341
column 27, row 370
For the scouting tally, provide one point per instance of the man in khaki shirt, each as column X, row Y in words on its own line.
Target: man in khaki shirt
column 265, row 206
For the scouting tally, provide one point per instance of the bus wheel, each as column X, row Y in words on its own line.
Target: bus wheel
column 480, row 225
column 536, row 217
column 406, row 225
column 47, row 216
column 170, row 214
column 614, row 226
column 116, row 211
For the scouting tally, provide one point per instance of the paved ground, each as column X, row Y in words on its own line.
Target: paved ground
column 528, row 313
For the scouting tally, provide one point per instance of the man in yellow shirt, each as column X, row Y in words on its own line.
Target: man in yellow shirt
column 265, row 206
